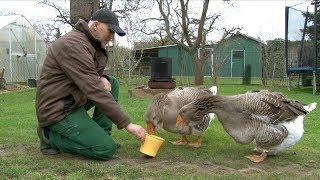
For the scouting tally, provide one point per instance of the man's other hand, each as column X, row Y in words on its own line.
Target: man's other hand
column 106, row 84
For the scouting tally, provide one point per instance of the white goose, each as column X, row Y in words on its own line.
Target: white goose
column 273, row 121
column 164, row 108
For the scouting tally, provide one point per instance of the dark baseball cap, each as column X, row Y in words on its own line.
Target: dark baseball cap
column 110, row 18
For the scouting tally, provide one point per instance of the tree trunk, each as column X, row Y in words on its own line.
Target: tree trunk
column 82, row 9
column 264, row 65
column 198, row 70
column 215, row 68
column 2, row 84
column 318, row 80
column 215, row 80
column 2, row 73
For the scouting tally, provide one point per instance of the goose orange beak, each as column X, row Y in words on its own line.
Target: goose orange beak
column 150, row 128
column 179, row 120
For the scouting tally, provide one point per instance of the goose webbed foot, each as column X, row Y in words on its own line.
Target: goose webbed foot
column 182, row 141
column 257, row 158
column 196, row 144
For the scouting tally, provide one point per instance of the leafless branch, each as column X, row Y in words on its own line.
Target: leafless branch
column 167, row 22
column 64, row 15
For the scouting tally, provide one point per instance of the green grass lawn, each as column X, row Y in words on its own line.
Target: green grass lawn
column 219, row 157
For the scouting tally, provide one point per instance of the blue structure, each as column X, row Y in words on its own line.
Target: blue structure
column 301, row 49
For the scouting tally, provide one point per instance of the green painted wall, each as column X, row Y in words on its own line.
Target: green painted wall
column 251, row 55
column 181, row 58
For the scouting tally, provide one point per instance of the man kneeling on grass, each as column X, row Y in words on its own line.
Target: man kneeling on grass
column 71, row 83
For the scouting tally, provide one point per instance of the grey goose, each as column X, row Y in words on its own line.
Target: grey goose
column 164, row 108
column 269, row 118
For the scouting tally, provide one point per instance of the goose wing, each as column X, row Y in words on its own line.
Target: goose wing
column 271, row 107
column 160, row 104
column 205, row 123
column 182, row 96
column 164, row 107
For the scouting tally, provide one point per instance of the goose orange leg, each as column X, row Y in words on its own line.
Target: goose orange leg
column 182, row 141
column 197, row 143
column 257, row 158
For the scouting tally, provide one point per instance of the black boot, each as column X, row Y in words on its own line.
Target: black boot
column 45, row 147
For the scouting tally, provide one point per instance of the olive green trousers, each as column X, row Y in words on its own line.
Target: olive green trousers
column 80, row 134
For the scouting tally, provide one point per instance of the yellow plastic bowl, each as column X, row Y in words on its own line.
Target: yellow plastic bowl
column 151, row 145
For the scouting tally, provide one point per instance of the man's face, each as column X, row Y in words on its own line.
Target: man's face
column 102, row 32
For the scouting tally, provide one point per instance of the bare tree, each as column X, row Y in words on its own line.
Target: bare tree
column 264, row 77
column 219, row 60
column 82, row 9
column 63, row 15
column 128, row 13
column 126, row 10
column 216, row 68
column 124, row 60
column 52, row 28
column 188, row 31
column 49, row 29
column 125, row 7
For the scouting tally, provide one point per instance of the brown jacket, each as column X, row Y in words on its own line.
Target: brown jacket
column 70, row 76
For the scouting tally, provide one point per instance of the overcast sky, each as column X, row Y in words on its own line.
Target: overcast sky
column 259, row 19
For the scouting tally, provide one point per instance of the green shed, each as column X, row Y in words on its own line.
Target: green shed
column 181, row 61
column 232, row 56
column 237, row 52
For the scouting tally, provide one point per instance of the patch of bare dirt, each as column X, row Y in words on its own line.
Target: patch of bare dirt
column 182, row 167
column 13, row 87
column 150, row 164
column 21, row 149
column 2, row 151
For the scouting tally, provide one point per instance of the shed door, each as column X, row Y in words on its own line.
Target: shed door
column 237, row 63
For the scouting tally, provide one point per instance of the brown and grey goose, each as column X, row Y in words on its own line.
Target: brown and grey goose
column 269, row 118
column 164, row 108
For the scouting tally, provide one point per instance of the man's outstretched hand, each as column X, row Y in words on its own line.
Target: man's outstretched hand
column 137, row 130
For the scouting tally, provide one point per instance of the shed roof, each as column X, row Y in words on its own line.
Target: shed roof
column 246, row 36
column 155, row 47
column 173, row 45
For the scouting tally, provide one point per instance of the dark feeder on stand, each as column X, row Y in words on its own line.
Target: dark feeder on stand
column 161, row 73
column 160, row 79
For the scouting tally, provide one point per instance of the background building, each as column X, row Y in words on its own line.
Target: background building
column 232, row 55
column 22, row 49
